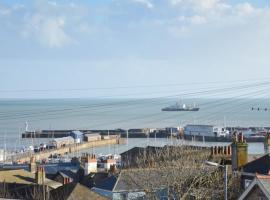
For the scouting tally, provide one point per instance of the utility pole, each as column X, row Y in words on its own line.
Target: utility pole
column 226, row 182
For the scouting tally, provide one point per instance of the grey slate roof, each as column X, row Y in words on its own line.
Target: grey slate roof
column 93, row 179
column 139, row 179
column 260, row 165
column 108, row 183
column 68, row 174
column 49, row 168
column 75, row 191
column 262, row 183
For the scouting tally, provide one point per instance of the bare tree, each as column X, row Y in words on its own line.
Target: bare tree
column 179, row 171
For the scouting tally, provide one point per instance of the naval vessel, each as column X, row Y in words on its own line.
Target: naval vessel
column 181, row 107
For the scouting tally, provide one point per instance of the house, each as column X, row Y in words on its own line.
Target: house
column 137, row 156
column 132, row 184
column 62, row 142
column 259, row 189
column 130, row 158
column 258, row 166
column 51, row 169
column 78, row 136
column 92, row 137
column 75, row 191
column 21, row 176
column 22, row 184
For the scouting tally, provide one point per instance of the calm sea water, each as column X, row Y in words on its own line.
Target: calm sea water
column 121, row 113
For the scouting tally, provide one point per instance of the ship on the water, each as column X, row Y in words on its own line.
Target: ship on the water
column 181, row 107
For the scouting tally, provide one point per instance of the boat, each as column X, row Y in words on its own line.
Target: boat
column 181, row 107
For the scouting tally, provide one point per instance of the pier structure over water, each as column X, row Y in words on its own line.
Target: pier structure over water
column 43, row 155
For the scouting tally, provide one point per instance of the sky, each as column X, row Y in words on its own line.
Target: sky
column 50, row 48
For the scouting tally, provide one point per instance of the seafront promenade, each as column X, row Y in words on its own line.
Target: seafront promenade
column 43, row 155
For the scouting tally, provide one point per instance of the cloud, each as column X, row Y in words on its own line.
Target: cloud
column 195, row 19
column 49, row 23
column 9, row 10
column 146, row 3
column 214, row 15
column 52, row 33
column 245, row 9
column 198, row 4
column 4, row 11
column 49, row 31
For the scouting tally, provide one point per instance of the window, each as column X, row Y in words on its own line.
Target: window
column 247, row 183
column 123, row 196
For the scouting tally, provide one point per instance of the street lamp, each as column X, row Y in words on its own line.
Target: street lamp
column 225, row 176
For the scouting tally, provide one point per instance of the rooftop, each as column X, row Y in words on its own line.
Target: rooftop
column 21, row 176
column 92, row 134
column 63, row 139
column 260, row 165
column 75, row 191
column 262, row 182
column 77, row 132
column 50, row 168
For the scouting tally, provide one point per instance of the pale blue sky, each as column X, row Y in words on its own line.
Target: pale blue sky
column 108, row 43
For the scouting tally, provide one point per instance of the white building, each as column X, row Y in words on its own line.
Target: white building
column 92, row 137
column 205, row 130
column 61, row 142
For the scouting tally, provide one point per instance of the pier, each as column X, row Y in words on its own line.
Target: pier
column 254, row 134
column 64, row 133
column 22, row 158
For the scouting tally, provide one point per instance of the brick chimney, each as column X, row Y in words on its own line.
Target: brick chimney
column 66, row 180
column 32, row 165
column 40, row 175
column 239, row 152
column 109, row 162
column 90, row 164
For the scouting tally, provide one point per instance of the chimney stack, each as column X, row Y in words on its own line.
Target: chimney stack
column 109, row 162
column 66, row 180
column 90, row 164
column 239, row 152
column 40, row 175
column 32, row 165
column 267, row 144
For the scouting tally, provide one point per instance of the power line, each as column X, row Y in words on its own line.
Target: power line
column 130, row 87
column 98, row 106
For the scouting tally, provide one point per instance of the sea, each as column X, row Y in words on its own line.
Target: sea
column 125, row 113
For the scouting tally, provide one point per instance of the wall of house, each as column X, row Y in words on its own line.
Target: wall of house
column 128, row 195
